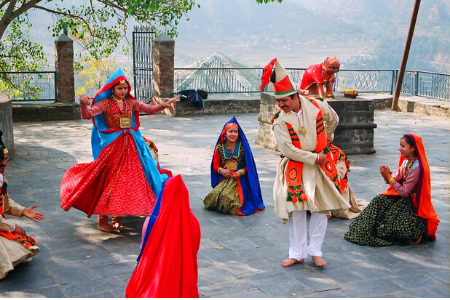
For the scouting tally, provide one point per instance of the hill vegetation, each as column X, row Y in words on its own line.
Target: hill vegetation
column 363, row 34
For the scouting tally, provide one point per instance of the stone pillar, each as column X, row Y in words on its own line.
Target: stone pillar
column 163, row 52
column 65, row 75
column 355, row 132
column 6, row 124
column 267, row 108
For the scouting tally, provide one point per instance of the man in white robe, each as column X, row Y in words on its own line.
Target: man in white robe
column 296, row 124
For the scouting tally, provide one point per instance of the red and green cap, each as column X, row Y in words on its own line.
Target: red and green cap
column 282, row 86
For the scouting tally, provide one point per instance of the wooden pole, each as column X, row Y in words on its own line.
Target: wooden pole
column 401, row 72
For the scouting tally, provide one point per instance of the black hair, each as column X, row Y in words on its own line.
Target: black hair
column 408, row 139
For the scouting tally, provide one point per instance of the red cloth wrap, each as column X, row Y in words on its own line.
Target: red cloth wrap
column 168, row 263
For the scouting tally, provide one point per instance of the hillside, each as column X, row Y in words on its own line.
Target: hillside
column 361, row 33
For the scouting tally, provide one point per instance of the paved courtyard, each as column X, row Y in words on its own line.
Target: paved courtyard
column 238, row 256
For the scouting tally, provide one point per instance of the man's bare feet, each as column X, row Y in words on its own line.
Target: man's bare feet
column 318, row 260
column 290, row 261
column 416, row 241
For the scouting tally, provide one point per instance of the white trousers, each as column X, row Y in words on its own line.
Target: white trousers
column 298, row 234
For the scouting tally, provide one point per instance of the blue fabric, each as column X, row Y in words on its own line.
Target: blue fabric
column 100, row 139
column 250, row 181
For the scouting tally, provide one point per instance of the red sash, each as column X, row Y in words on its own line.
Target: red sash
column 25, row 240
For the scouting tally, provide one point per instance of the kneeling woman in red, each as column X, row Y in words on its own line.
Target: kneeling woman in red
column 233, row 174
column 123, row 179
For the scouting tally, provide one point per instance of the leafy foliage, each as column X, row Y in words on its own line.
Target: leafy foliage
column 97, row 26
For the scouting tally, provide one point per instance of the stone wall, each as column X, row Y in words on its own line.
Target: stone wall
column 218, row 105
column 354, row 134
column 6, row 124
column 46, row 112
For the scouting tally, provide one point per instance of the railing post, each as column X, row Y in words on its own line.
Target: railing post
column 394, row 80
column 416, row 89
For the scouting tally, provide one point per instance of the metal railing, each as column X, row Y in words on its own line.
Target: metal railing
column 143, row 61
column 34, row 86
column 247, row 80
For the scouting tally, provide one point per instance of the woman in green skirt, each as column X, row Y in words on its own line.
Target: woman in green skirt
column 404, row 213
column 233, row 174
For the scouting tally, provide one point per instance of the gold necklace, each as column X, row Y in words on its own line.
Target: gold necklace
column 302, row 129
column 117, row 100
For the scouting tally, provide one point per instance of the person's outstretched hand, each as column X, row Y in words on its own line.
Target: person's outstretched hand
column 169, row 103
column 85, row 100
column 32, row 214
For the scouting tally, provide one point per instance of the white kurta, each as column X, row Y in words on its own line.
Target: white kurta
column 11, row 252
column 320, row 190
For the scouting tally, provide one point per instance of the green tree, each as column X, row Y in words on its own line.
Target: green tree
column 97, row 26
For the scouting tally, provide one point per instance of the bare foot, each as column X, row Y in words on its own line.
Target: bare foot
column 416, row 241
column 290, row 261
column 117, row 226
column 105, row 227
column 318, row 260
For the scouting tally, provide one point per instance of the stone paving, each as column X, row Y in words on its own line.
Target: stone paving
column 238, row 256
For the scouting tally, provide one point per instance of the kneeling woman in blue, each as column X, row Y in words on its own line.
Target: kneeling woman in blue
column 233, row 174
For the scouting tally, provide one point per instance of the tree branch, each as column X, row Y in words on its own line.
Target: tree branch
column 65, row 14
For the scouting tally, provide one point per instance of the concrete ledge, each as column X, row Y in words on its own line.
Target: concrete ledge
column 57, row 111
column 6, row 124
column 412, row 104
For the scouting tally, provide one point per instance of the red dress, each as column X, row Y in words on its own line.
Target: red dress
column 114, row 183
column 314, row 75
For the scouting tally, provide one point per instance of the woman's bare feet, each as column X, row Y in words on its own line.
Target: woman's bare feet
column 103, row 224
column 416, row 241
column 105, row 227
column 290, row 261
column 318, row 260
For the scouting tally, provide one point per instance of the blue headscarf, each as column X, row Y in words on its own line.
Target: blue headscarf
column 251, row 189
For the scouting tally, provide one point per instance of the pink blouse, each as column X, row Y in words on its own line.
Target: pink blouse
column 99, row 108
column 406, row 182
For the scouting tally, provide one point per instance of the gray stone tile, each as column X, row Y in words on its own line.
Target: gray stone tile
column 443, row 275
column 412, row 281
column 116, row 269
column 286, row 289
column 252, row 293
column 80, row 289
column 222, row 289
column 239, row 244
column 71, row 273
column 372, row 288
column 214, row 275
